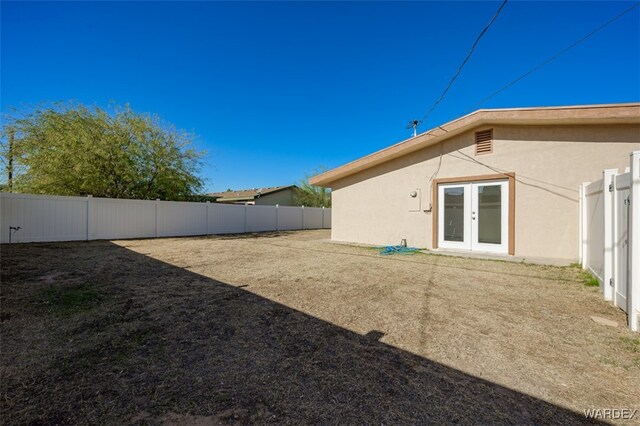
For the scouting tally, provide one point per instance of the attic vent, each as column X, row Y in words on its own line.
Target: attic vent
column 484, row 142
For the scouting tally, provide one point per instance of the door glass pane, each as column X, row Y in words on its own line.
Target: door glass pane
column 489, row 214
column 453, row 214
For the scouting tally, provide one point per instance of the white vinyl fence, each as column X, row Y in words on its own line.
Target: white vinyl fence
column 610, row 236
column 55, row 218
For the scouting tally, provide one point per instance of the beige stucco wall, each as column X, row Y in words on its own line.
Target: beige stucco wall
column 550, row 162
column 283, row 198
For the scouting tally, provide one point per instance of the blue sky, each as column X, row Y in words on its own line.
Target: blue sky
column 274, row 90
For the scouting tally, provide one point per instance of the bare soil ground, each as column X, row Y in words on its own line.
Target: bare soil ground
column 290, row 328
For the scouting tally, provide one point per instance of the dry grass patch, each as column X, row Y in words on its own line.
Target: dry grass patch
column 287, row 328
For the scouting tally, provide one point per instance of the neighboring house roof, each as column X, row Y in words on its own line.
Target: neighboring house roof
column 247, row 194
column 566, row 115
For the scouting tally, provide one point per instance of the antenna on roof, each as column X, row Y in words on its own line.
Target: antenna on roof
column 413, row 124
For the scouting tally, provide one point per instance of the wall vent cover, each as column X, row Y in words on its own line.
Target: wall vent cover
column 484, row 142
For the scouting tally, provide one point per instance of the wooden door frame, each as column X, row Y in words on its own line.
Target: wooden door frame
column 511, row 226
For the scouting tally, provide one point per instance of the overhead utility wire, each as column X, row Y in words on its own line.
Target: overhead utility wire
column 455, row 76
column 563, row 51
column 615, row 18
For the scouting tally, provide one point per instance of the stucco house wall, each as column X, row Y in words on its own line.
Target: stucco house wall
column 549, row 161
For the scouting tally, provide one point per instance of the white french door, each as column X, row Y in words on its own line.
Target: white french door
column 474, row 216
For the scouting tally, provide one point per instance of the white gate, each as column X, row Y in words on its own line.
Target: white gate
column 621, row 199
column 610, row 236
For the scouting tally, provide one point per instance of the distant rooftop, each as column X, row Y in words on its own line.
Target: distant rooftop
column 247, row 194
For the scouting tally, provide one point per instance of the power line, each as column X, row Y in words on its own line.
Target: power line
column 563, row 51
column 455, row 76
column 615, row 18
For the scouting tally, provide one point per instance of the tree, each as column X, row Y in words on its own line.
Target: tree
column 71, row 149
column 313, row 196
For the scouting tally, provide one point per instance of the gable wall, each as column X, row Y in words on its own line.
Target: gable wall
column 550, row 162
column 283, row 198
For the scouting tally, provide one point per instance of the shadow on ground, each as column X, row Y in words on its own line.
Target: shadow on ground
column 95, row 333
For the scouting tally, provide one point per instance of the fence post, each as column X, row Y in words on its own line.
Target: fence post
column 89, row 217
column 607, row 197
column 583, row 224
column 580, row 219
column 614, row 237
column 277, row 217
column 157, row 208
column 322, row 217
column 303, row 218
column 206, row 226
column 633, row 264
column 245, row 217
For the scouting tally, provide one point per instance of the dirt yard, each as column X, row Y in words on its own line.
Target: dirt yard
column 290, row 328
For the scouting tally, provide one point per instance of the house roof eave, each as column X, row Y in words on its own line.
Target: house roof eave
column 565, row 115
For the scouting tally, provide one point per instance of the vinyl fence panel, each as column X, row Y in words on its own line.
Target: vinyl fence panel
column 595, row 229
column 289, row 218
column 181, row 218
column 326, row 221
column 262, row 218
column 43, row 218
column 53, row 218
column 227, row 219
column 610, row 236
column 113, row 218
column 312, row 218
